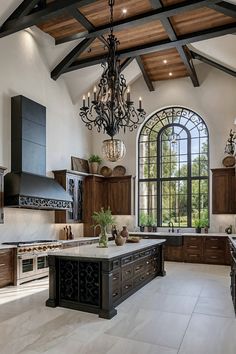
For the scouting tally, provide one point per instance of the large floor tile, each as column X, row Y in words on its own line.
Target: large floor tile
column 222, row 306
column 210, row 335
column 169, row 303
column 154, row 327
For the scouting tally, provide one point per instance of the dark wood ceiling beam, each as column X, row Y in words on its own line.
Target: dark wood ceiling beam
column 186, row 58
column 68, row 60
column 156, row 14
column 158, row 46
column 84, row 22
column 23, row 9
column 145, row 74
column 212, row 63
column 225, row 8
column 53, row 9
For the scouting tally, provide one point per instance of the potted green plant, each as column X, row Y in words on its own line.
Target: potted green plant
column 102, row 219
column 94, row 163
column 142, row 221
column 198, row 225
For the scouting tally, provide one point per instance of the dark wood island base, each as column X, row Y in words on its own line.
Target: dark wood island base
column 97, row 280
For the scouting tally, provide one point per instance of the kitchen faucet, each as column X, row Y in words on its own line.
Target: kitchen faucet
column 170, row 224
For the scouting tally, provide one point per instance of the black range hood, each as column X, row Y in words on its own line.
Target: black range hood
column 27, row 186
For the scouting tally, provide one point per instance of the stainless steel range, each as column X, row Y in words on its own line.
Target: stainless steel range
column 32, row 258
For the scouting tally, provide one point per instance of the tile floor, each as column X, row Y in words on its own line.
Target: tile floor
column 187, row 312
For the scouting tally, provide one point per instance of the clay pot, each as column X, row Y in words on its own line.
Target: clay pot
column 124, row 232
column 94, row 167
column 119, row 240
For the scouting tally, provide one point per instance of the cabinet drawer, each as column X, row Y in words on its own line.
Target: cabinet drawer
column 126, row 260
column 193, row 240
column 139, row 267
column 146, row 253
column 215, row 257
column 141, row 278
column 116, row 264
column 116, row 294
column 116, row 276
column 127, row 272
column 193, row 256
column 127, row 286
column 214, row 243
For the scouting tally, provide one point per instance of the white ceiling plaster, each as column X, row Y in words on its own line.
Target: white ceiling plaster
column 221, row 50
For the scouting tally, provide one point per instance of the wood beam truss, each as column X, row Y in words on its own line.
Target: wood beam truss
column 144, row 73
column 225, row 8
column 157, row 46
column 156, row 14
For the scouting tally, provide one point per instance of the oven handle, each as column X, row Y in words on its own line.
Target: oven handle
column 32, row 255
column 27, row 256
column 40, row 254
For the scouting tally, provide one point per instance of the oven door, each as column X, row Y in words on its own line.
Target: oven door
column 42, row 263
column 26, row 266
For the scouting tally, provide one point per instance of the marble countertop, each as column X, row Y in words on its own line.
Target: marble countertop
column 166, row 234
column 80, row 239
column 113, row 251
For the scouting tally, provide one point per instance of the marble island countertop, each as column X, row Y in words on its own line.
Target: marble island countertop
column 167, row 234
column 80, row 239
column 113, row 251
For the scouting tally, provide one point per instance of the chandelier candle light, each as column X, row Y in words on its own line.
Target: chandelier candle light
column 111, row 108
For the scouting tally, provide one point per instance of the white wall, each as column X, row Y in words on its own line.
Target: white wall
column 25, row 70
column 214, row 101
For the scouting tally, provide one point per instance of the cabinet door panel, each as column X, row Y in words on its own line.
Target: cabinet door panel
column 223, row 191
column 119, row 195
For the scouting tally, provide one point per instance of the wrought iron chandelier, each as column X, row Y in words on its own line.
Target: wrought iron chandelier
column 111, row 108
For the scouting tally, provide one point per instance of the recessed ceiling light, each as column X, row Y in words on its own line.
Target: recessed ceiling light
column 165, row 61
column 124, row 11
column 170, row 74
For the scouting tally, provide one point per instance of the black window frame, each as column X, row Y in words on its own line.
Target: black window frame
column 199, row 123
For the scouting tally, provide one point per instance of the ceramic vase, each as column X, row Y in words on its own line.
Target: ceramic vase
column 119, row 240
column 124, row 232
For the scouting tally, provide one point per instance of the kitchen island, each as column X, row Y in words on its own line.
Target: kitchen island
column 96, row 279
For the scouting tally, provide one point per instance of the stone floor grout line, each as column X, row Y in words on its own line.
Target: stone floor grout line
column 198, row 297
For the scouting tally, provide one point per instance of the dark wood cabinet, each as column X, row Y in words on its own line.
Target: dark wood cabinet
column 2, row 169
column 72, row 182
column 113, row 192
column 223, row 191
column 6, row 267
column 173, row 253
column 119, row 195
column 95, row 198
column 193, row 249
column 215, row 250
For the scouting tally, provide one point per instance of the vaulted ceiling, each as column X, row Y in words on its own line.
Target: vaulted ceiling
column 156, row 33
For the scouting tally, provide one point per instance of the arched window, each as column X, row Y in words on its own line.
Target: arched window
column 173, row 168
